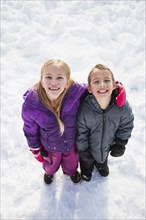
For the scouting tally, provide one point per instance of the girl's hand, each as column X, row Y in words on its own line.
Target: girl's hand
column 39, row 153
column 121, row 97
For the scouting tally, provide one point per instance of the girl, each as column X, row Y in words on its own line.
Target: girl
column 49, row 114
column 102, row 125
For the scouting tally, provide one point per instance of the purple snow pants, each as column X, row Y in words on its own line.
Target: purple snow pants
column 68, row 162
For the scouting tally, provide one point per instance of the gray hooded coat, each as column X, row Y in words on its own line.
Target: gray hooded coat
column 98, row 129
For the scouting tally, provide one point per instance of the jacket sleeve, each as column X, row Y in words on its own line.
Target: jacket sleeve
column 126, row 123
column 30, row 128
column 82, row 141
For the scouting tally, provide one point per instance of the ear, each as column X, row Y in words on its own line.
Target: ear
column 42, row 84
column 69, row 83
column 114, row 85
column 89, row 89
column 67, row 86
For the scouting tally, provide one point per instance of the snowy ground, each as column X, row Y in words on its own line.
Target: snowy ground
column 82, row 33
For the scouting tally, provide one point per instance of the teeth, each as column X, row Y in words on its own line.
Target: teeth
column 103, row 91
column 54, row 89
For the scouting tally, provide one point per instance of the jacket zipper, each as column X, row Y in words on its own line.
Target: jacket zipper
column 103, row 128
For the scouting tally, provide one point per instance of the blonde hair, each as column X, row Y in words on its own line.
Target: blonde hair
column 43, row 96
column 101, row 67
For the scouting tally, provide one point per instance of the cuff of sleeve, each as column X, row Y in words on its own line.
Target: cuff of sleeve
column 35, row 149
column 120, row 142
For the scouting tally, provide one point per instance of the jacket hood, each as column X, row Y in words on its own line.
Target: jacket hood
column 31, row 96
column 91, row 100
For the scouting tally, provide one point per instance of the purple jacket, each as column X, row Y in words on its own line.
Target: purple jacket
column 40, row 125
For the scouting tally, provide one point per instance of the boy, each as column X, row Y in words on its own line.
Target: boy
column 103, row 126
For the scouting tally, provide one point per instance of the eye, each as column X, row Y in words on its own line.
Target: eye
column 59, row 77
column 107, row 80
column 48, row 77
column 96, row 82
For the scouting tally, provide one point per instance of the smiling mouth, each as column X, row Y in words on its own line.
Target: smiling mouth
column 54, row 89
column 103, row 91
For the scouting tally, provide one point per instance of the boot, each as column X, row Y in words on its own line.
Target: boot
column 102, row 168
column 48, row 179
column 76, row 178
column 104, row 171
column 86, row 177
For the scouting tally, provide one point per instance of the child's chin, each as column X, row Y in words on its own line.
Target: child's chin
column 55, row 96
column 103, row 94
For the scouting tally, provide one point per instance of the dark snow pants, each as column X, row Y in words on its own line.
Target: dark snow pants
column 87, row 163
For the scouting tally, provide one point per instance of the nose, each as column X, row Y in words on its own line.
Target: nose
column 102, row 84
column 53, row 82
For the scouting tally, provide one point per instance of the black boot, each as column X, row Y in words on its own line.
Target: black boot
column 76, row 178
column 86, row 177
column 102, row 168
column 48, row 179
column 104, row 171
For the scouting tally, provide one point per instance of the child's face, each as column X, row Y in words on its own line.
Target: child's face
column 101, row 84
column 54, row 81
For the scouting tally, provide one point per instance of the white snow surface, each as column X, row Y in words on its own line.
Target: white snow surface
column 83, row 34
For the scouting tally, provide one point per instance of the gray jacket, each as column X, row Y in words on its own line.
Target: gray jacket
column 98, row 129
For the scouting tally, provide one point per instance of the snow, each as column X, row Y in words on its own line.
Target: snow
column 82, row 33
